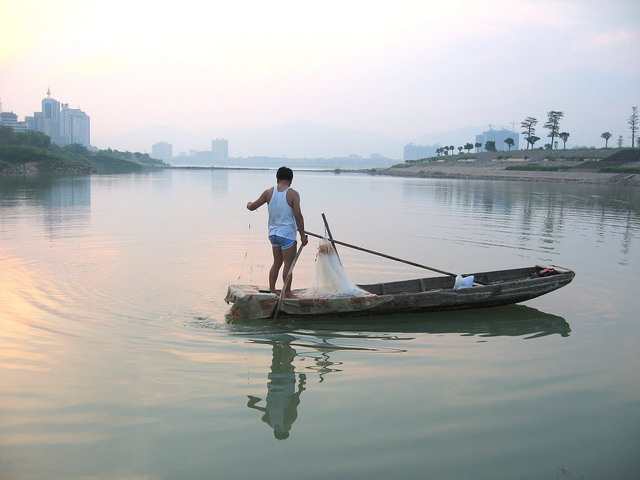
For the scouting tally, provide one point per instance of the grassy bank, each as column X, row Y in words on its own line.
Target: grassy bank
column 33, row 152
column 610, row 166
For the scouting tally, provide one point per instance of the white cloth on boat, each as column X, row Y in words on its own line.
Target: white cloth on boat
column 463, row 282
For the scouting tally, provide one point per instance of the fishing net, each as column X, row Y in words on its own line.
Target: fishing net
column 329, row 278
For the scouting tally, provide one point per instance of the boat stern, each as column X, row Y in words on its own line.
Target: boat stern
column 249, row 302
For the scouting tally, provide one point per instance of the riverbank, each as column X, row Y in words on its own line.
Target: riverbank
column 31, row 153
column 564, row 166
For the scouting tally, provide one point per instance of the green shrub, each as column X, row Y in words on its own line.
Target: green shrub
column 619, row 170
column 19, row 154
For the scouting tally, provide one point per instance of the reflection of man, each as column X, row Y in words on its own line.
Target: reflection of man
column 282, row 399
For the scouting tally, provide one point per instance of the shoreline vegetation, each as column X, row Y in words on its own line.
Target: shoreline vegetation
column 31, row 153
column 612, row 166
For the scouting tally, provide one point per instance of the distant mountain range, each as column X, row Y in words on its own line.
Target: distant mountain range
column 295, row 139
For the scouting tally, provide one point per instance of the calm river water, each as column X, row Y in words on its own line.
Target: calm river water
column 118, row 362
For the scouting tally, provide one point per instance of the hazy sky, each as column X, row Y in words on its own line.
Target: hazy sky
column 401, row 68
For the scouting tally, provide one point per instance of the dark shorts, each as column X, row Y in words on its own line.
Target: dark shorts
column 283, row 243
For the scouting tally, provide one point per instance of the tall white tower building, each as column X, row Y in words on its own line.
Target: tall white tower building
column 220, row 151
column 47, row 121
column 74, row 126
column 162, row 151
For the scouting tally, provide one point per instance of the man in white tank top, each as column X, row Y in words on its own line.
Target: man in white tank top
column 285, row 218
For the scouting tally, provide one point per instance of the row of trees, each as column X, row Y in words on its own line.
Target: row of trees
column 529, row 129
column 468, row 147
column 553, row 126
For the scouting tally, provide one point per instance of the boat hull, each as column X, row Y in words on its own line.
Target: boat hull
column 494, row 288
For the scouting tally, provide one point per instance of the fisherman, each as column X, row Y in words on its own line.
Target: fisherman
column 285, row 217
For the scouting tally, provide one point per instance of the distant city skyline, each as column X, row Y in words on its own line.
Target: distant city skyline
column 64, row 125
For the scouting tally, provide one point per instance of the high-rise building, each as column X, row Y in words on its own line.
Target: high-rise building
column 74, row 126
column 63, row 124
column 220, row 151
column 162, row 151
column 47, row 120
column 499, row 136
column 51, row 107
column 10, row 119
column 417, row 152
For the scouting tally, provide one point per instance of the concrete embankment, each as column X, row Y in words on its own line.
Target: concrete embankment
column 583, row 166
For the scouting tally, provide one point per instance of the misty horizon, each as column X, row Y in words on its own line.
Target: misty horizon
column 284, row 140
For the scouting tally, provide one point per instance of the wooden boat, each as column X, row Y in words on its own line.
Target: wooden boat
column 501, row 287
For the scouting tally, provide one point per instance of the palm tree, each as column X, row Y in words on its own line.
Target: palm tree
column 606, row 136
column 564, row 136
column 468, row 146
column 633, row 124
column 510, row 142
column 553, row 124
column 532, row 139
column 529, row 127
column 477, row 145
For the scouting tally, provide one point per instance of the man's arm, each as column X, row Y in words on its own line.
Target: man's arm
column 262, row 199
column 297, row 213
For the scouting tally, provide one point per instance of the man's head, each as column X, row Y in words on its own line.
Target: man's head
column 284, row 173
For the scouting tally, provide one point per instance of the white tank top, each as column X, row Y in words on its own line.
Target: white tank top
column 281, row 219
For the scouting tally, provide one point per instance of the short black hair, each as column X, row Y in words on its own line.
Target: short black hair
column 284, row 173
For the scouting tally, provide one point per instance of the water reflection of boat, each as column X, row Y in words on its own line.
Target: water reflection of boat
column 510, row 320
column 502, row 287
column 313, row 343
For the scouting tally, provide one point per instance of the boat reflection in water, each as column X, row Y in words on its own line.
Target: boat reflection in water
column 316, row 340
column 510, row 320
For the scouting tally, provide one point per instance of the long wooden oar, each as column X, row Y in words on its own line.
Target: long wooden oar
column 287, row 280
column 408, row 262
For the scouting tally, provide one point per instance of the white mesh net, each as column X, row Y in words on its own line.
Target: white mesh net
column 329, row 278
